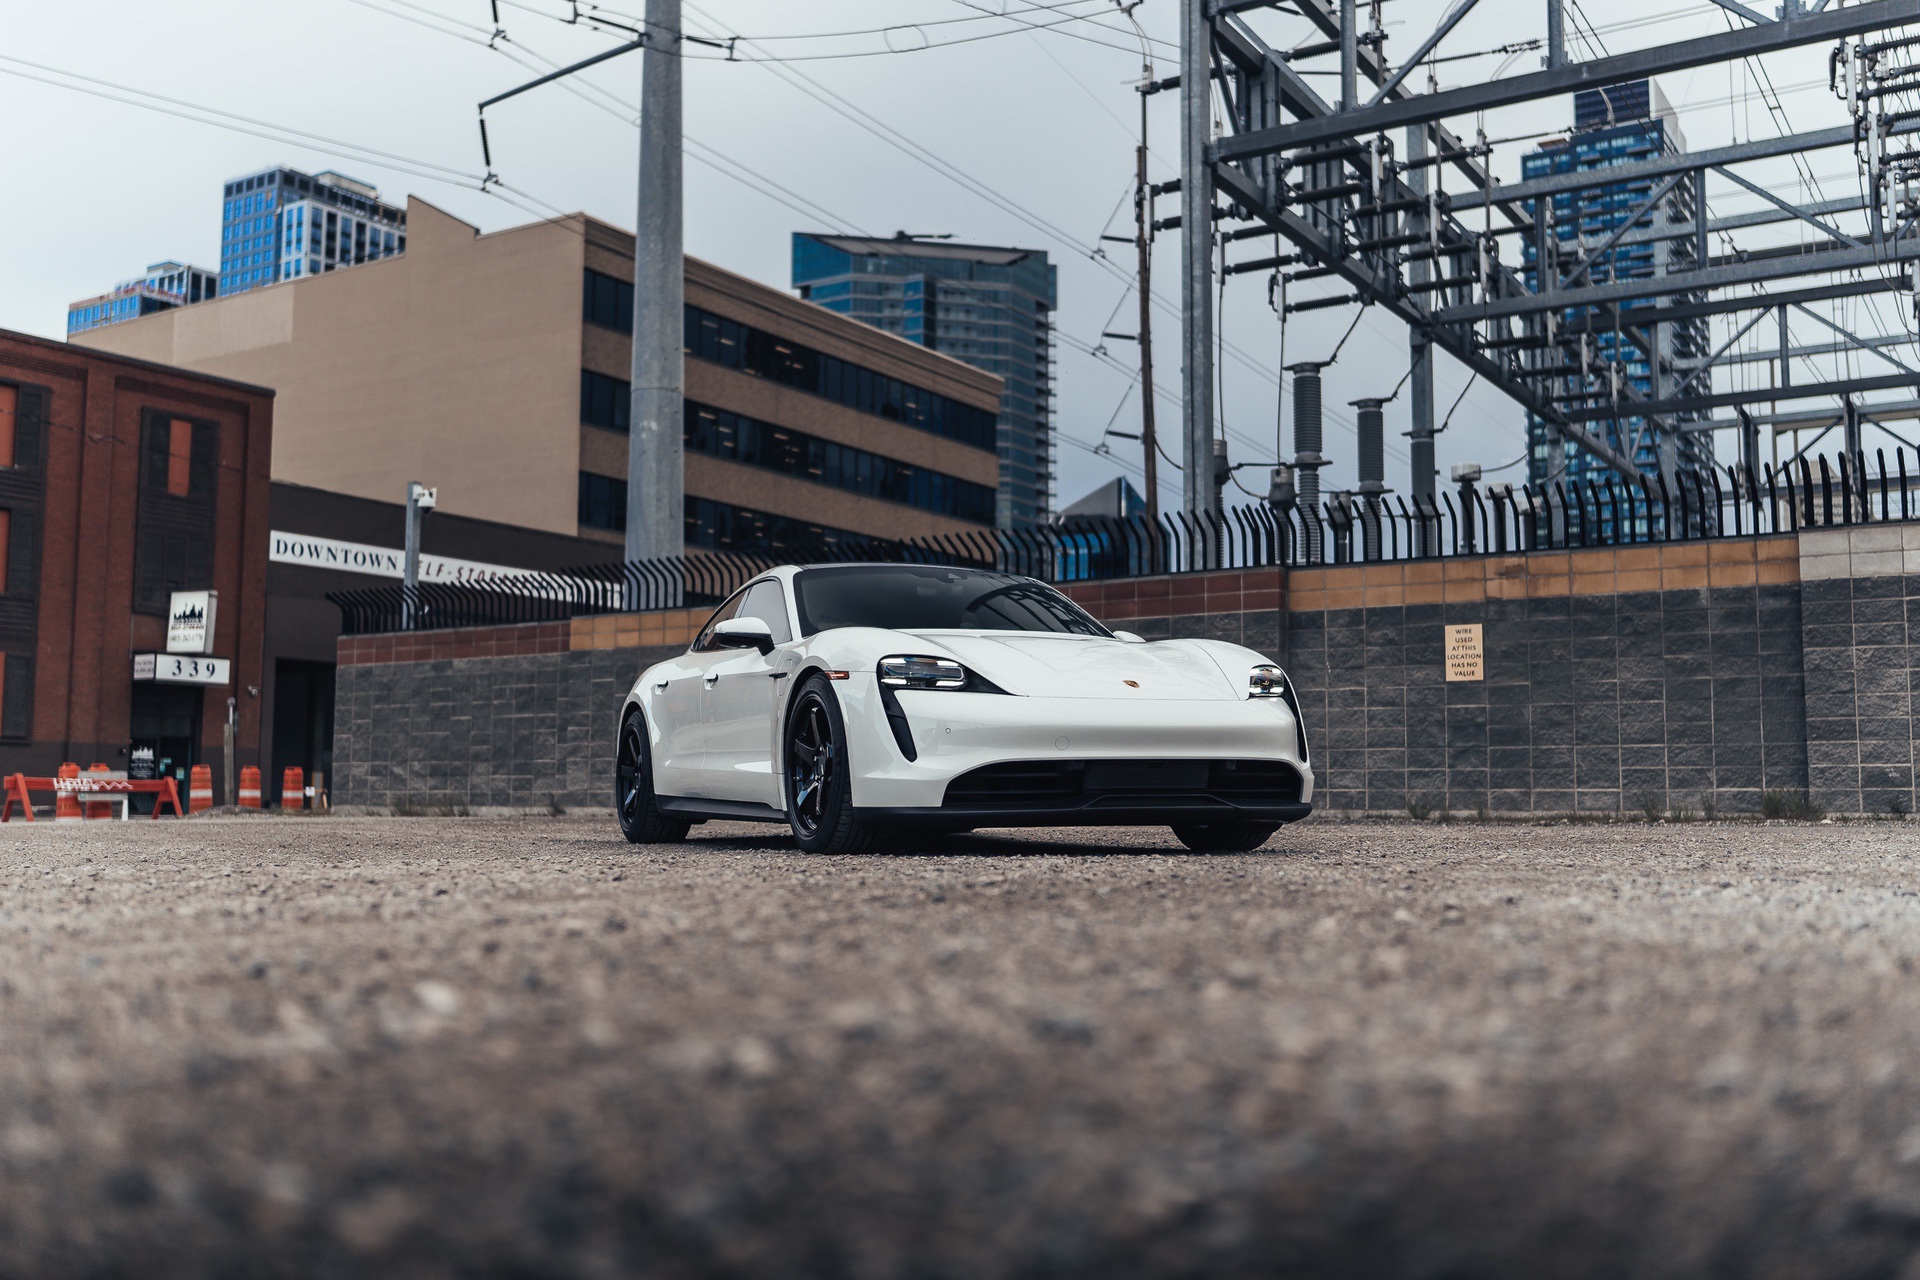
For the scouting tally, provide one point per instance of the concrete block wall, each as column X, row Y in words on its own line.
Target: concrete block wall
column 1616, row 679
column 1860, row 590
column 492, row 718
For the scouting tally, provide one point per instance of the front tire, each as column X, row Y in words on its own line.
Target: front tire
column 641, row 821
column 1224, row 837
column 819, row 775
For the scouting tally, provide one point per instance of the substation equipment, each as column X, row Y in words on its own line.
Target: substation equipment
column 1375, row 190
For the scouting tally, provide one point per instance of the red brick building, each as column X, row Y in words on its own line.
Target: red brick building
column 123, row 481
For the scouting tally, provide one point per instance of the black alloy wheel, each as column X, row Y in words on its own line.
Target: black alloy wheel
column 641, row 821
column 819, row 789
column 1240, row 836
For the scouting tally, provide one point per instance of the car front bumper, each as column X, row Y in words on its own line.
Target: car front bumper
column 954, row 734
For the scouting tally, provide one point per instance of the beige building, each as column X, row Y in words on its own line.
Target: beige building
column 495, row 368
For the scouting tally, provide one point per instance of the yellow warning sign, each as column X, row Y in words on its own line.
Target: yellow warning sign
column 1465, row 659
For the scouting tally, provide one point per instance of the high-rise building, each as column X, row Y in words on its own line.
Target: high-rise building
column 1614, row 125
column 280, row 224
column 165, row 285
column 990, row 307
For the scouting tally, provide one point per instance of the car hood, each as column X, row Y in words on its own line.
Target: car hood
column 1070, row 666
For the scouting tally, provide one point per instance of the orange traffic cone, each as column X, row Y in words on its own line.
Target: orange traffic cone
column 97, row 808
column 249, row 787
column 65, row 807
column 200, row 789
column 293, row 788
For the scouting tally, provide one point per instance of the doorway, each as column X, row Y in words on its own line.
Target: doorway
column 302, row 720
column 166, row 720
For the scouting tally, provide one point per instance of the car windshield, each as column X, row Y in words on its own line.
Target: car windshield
column 911, row 597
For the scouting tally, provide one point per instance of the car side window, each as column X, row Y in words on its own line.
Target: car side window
column 768, row 603
column 704, row 642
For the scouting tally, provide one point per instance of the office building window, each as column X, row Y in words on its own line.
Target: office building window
column 604, row 401
column 19, row 551
column 16, row 696
column 180, row 457
column 603, row 502
column 173, row 526
column 721, row 434
column 23, row 416
column 608, row 302
column 724, row 527
column 738, row 346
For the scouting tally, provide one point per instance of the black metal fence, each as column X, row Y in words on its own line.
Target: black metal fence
column 1344, row 529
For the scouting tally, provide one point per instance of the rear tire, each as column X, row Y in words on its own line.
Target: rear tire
column 641, row 821
column 819, row 781
column 1224, row 837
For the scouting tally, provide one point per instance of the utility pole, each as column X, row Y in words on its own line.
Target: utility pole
column 1196, row 247
column 1142, row 230
column 1349, row 56
column 1420, row 343
column 656, row 477
column 420, row 500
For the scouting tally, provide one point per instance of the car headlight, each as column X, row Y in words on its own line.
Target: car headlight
column 1266, row 681
column 906, row 671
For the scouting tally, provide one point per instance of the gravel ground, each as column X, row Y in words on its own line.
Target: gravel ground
column 438, row 1047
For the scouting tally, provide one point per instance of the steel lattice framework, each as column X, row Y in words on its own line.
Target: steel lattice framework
column 1418, row 230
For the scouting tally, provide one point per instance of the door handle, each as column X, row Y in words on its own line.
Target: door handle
column 660, row 686
column 715, row 676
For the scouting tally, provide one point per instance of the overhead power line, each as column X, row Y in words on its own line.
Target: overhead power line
column 916, row 151
column 235, row 122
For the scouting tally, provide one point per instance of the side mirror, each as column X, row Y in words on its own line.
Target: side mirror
column 1129, row 637
column 744, row 633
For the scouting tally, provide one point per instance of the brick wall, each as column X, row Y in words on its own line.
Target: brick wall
column 1244, row 606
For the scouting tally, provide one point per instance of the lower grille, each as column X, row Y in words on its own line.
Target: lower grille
column 1075, row 784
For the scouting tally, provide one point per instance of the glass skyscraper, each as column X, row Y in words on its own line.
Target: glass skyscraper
column 1615, row 125
column 165, row 285
column 280, row 224
column 989, row 307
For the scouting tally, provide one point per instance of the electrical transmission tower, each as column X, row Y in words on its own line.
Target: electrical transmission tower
column 1536, row 305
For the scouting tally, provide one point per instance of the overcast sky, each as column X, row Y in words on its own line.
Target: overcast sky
column 1045, row 119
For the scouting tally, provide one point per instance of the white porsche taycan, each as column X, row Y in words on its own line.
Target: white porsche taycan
column 856, row 700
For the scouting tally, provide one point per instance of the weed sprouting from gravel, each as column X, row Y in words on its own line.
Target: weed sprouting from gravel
column 1797, row 806
column 1419, row 809
column 429, row 809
